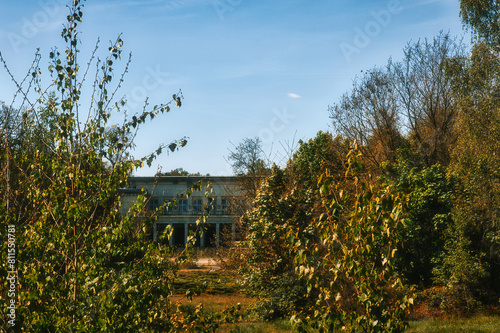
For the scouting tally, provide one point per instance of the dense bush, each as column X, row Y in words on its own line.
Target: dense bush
column 81, row 266
column 322, row 243
column 428, row 215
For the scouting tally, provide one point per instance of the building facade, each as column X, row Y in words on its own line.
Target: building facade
column 181, row 200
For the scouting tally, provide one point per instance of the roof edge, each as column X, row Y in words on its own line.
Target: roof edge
column 161, row 179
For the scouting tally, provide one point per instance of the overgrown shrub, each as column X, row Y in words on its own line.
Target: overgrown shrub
column 428, row 215
column 80, row 265
column 322, row 243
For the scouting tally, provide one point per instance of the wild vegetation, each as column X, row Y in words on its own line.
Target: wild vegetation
column 80, row 265
column 360, row 232
column 403, row 203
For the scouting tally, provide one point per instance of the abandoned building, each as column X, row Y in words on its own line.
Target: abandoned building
column 167, row 195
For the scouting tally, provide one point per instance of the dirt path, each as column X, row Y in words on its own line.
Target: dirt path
column 208, row 263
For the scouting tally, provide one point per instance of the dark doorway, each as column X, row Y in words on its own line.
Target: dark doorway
column 211, row 235
column 178, row 234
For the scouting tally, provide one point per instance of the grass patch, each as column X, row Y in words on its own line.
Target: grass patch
column 477, row 324
column 278, row 326
column 205, row 281
column 216, row 303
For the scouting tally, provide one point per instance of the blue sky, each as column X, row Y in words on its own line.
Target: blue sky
column 266, row 69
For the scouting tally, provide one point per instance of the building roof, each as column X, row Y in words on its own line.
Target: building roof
column 168, row 179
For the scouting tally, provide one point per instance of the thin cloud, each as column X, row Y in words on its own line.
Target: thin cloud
column 293, row 95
